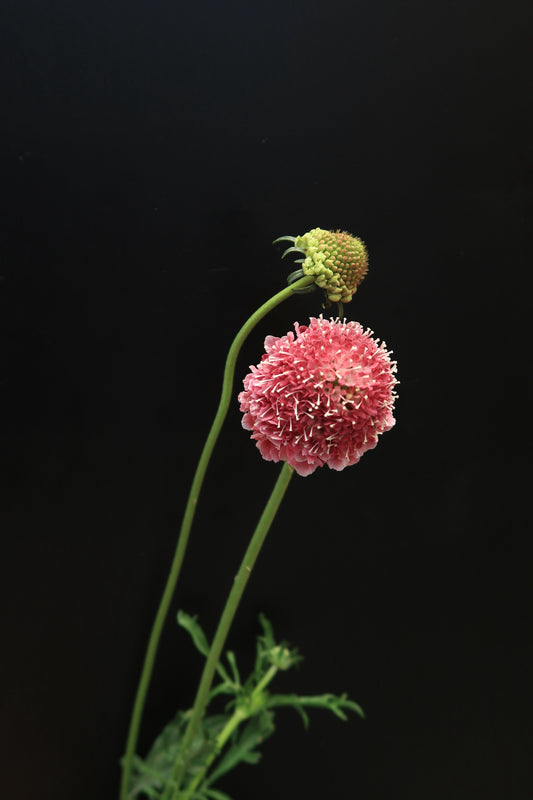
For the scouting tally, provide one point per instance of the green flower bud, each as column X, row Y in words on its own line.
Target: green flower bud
column 282, row 657
column 338, row 260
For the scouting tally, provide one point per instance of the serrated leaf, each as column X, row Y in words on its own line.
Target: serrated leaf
column 150, row 775
column 195, row 631
column 199, row 639
column 147, row 780
column 330, row 702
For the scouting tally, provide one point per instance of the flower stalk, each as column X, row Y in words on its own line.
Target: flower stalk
column 241, row 579
column 168, row 593
column 320, row 396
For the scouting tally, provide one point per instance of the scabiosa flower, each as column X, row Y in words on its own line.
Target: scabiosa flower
column 338, row 260
column 320, row 397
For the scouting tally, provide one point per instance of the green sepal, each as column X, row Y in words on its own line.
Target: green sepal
column 284, row 239
column 295, row 276
column 293, row 250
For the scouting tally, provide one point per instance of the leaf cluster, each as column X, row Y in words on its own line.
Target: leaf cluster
column 224, row 740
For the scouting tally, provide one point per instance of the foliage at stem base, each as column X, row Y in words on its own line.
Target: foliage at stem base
column 225, row 740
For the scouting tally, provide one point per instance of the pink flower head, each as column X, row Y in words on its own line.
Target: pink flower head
column 320, row 397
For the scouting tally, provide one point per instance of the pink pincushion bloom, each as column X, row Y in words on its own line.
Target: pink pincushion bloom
column 320, row 397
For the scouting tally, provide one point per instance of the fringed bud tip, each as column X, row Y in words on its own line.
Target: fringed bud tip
column 337, row 260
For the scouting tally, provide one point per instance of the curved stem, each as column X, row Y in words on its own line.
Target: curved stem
column 155, row 635
column 241, row 579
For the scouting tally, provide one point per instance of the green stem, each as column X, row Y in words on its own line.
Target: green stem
column 155, row 635
column 239, row 715
column 241, row 579
column 265, row 680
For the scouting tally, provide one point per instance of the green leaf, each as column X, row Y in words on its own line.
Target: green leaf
column 199, row 639
column 330, row 702
column 299, row 708
column 150, row 775
column 233, row 664
column 148, row 779
column 265, row 644
column 268, row 632
column 223, row 688
column 193, row 628
column 215, row 794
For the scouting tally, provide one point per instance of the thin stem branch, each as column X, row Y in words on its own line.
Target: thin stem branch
column 241, row 579
column 238, row 716
column 168, row 593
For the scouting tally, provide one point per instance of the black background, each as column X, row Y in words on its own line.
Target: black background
column 150, row 153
